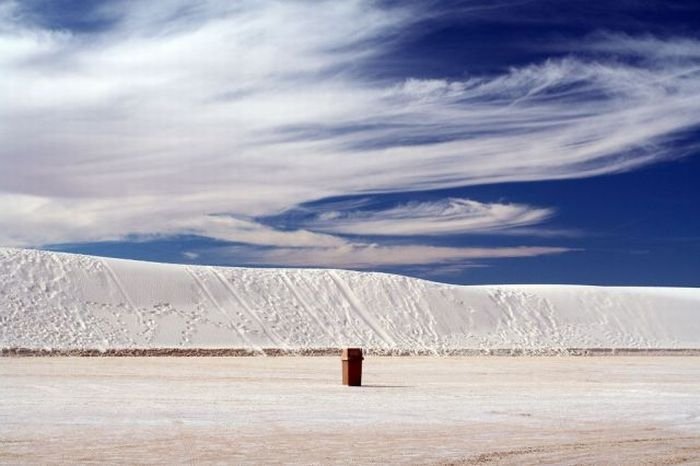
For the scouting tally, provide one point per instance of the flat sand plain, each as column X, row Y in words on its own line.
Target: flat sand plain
column 411, row 410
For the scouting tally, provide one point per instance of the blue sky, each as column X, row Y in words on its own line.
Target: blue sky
column 467, row 142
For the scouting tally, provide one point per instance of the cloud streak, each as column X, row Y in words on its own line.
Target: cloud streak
column 363, row 256
column 447, row 217
column 185, row 117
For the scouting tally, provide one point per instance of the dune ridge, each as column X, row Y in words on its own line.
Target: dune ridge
column 62, row 302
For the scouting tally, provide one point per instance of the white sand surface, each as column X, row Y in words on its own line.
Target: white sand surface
column 415, row 410
column 59, row 301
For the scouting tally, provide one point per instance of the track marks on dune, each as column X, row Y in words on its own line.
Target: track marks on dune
column 305, row 304
column 118, row 284
column 529, row 317
column 130, row 306
column 61, row 301
column 235, row 296
column 360, row 310
column 204, row 290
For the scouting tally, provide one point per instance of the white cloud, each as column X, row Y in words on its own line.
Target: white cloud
column 32, row 220
column 190, row 255
column 245, row 231
column 362, row 256
column 450, row 216
column 182, row 110
column 646, row 46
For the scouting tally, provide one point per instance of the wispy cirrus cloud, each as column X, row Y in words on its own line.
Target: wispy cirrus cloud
column 177, row 112
column 363, row 256
column 654, row 50
column 444, row 217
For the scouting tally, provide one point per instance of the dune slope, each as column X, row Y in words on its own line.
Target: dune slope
column 65, row 301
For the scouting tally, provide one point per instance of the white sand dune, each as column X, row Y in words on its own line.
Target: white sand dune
column 65, row 301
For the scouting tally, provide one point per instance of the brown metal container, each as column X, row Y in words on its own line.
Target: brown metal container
column 352, row 366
